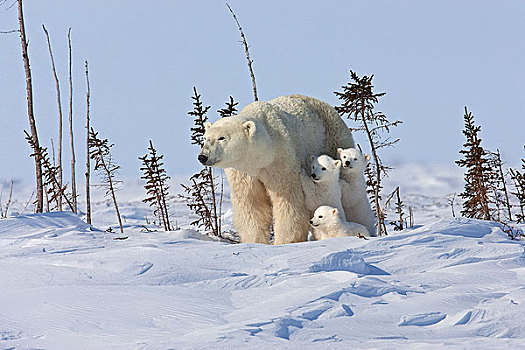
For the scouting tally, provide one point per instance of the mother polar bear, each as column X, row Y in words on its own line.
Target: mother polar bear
column 262, row 150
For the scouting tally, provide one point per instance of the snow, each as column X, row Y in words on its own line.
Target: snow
column 451, row 282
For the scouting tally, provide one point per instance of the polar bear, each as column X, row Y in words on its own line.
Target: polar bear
column 263, row 150
column 327, row 223
column 322, row 186
column 353, row 188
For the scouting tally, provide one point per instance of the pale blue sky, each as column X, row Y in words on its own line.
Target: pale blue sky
column 431, row 57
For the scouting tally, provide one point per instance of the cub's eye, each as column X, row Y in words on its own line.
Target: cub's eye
column 323, row 169
column 344, row 157
column 320, row 216
column 222, row 138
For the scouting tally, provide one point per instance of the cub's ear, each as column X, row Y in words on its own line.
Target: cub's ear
column 367, row 157
column 335, row 211
column 339, row 150
column 249, row 127
column 337, row 163
column 207, row 125
column 312, row 158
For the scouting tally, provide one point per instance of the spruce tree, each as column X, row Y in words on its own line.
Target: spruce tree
column 479, row 174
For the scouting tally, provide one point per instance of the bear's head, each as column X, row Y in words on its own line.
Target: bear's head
column 325, row 215
column 353, row 159
column 325, row 169
column 237, row 143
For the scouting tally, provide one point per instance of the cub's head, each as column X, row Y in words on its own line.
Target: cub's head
column 324, row 168
column 234, row 143
column 325, row 215
column 353, row 159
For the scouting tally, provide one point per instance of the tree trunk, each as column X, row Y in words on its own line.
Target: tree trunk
column 32, row 122
column 88, row 162
column 73, row 176
column 59, row 103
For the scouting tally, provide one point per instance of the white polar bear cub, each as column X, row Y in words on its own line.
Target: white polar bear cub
column 321, row 186
column 327, row 223
column 353, row 189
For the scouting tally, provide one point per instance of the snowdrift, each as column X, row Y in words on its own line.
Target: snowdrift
column 65, row 285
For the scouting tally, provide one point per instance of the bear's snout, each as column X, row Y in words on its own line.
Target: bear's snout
column 202, row 158
column 347, row 163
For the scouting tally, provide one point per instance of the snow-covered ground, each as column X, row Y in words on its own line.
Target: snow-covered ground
column 446, row 282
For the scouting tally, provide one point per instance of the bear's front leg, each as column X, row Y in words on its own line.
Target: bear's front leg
column 252, row 211
column 290, row 216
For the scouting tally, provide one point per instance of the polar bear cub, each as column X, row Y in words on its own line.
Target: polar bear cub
column 321, row 186
column 353, row 188
column 327, row 223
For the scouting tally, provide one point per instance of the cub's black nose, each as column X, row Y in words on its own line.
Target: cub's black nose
column 314, row 176
column 311, row 222
column 347, row 163
column 202, row 158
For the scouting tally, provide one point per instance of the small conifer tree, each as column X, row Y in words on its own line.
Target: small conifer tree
column 479, row 173
column 51, row 182
column 230, row 110
column 156, row 185
column 519, row 185
column 203, row 197
column 100, row 152
column 358, row 102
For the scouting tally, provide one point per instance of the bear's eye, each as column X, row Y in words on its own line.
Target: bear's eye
column 323, row 169
column 222, row 138
column 320, row 216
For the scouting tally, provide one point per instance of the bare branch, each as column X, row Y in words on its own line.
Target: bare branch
column 59, row 106
column 247, row 52
column 88, row 159
column 73, row 175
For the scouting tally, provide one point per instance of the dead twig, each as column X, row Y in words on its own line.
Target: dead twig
column 59, row 106
column 247, row 52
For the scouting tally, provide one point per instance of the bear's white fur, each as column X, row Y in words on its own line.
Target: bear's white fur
column 263, row 150
column 353, row 188
column 321, row 185
column 327, row 223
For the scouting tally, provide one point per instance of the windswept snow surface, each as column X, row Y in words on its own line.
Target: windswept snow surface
column 447, row 282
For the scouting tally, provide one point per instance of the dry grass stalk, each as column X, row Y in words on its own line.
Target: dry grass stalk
column 4, row 212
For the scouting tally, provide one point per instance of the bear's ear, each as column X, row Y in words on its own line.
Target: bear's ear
column 335, row 211
column 339, row 150
column 249, row 127
column 367, row 157
column 337, row 163
column 207, row 125
column 312, row 158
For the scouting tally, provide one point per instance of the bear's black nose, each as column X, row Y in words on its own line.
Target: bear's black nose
column 202, row 158
column 347, row 163
column 311, row 222
column 314, row 176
